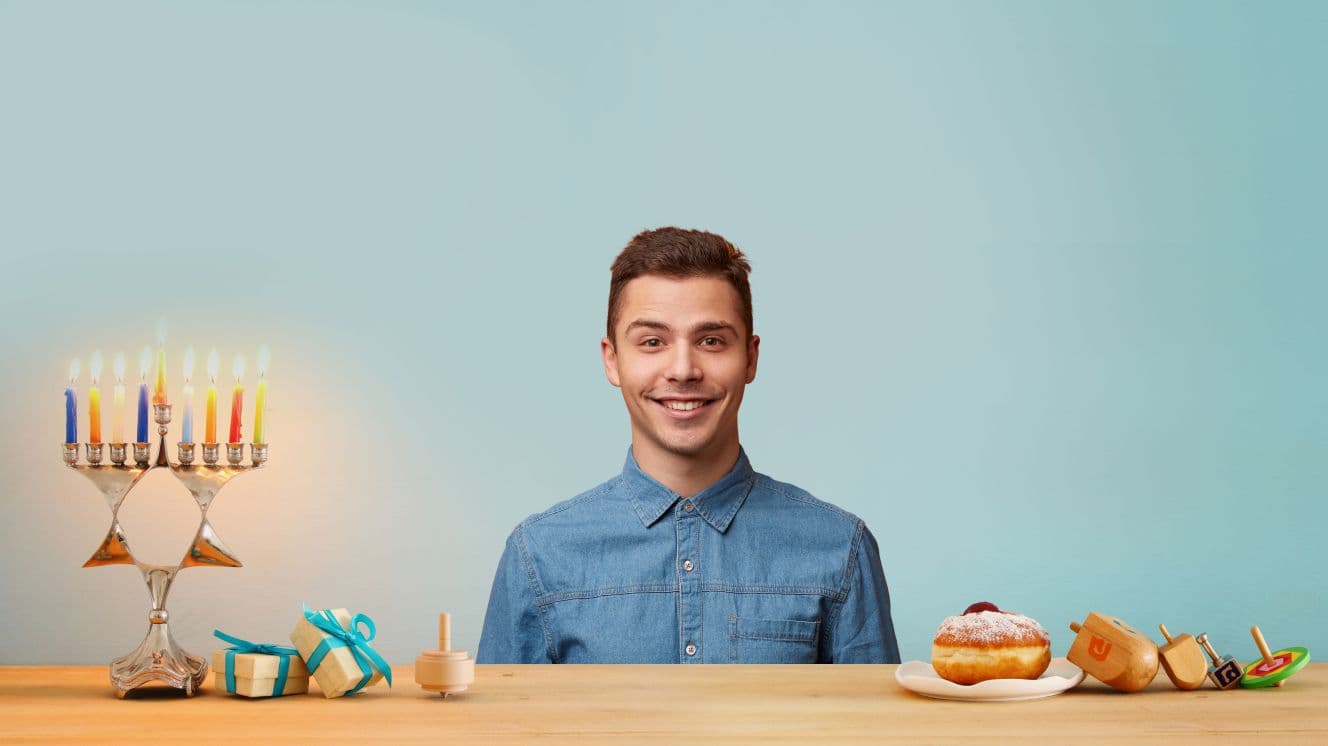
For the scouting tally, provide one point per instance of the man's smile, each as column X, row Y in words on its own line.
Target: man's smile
column 680, row 408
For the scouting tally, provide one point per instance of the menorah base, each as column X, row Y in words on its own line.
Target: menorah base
column 158, row 660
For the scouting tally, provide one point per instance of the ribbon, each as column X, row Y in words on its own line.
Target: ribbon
column 244, row 646
column 353, row 639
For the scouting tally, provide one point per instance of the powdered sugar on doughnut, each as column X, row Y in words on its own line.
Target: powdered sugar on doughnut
column 990, row 628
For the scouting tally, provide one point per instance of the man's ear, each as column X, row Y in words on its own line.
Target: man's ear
column 753, row 352
column 610, row 355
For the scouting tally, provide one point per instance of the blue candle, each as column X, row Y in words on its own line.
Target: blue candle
column 142, row 413
column 71, row 415
column 71, row 405
column 188, row 435
column 144, row 359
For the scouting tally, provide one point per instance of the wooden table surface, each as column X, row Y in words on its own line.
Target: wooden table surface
column 670, row 704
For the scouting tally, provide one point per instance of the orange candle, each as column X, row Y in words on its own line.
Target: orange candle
column 237, row 400
column 210, row 428
column 94, row 401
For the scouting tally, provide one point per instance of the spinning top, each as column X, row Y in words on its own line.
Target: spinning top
column 1183, row 660
column 1275, row 668
column 444, row 670
column 1225, row 671
column 1112, row 652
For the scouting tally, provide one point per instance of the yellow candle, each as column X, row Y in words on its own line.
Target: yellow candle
column 159, row 392
column 210, row 434
column 94, row 401
column 117, row 407
column 261, row 400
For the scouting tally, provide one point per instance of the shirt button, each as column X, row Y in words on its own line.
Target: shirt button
column 687, row 506
column 687, row 565
column 691, row 649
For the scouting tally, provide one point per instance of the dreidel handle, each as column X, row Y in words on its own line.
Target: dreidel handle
column 444, row 631
column 1263, row 649
column 1263, row 646
column 1165, row 633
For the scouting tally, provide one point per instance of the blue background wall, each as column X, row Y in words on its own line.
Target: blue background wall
column 1040, row 288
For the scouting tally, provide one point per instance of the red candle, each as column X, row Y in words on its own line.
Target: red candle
column 237, row 400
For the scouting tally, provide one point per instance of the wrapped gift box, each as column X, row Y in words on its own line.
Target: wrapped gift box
column 257, row 674
column 337, row 652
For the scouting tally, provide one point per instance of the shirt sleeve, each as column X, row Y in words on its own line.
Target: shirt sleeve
column 513, row 630
column 862, row 631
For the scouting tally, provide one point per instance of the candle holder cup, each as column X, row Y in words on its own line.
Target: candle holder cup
column 95, row 452
column 258, row 453
column 158, row 659
column 235, row 453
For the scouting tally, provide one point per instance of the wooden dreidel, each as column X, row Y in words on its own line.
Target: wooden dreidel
column 1274, row 668
column 1111, row 651
column 1225, row 671
column 1183, row 660
column 444, row 670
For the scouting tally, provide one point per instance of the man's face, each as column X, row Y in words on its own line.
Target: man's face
column 681, row 356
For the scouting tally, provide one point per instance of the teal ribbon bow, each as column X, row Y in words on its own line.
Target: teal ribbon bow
column 357, row 641
column 244, row 646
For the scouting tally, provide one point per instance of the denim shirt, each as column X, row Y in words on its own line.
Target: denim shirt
column 750, row 570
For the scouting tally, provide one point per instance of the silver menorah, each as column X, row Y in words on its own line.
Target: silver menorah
column 158, row 658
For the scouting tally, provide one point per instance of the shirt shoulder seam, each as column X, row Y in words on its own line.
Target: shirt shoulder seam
column 588, row 495
column 804, row 497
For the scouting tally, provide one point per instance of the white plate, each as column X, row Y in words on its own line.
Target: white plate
column 921, row 678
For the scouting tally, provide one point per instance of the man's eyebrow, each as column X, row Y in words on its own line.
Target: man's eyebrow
column 647, row 324
column 715, row 326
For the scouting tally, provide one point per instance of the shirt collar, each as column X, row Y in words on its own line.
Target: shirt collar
column 717, row 503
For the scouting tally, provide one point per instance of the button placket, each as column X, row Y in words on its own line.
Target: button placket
column 689, row 585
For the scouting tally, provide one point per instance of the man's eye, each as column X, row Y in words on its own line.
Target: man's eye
column 651, row 342
column 712, row 342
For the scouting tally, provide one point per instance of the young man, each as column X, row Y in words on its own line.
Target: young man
column 688, row 555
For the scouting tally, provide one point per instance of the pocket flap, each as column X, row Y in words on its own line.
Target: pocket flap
column 774, row 629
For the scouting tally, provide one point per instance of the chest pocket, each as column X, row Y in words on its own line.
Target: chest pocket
column 772, row 640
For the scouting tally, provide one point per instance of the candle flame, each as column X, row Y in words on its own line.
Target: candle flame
column 264, row 357
column 96, row 366
column 161, row 332
column 237, row 368
column 188, row 363
column 144, row 361
column 214, row 362
column 119, row 367
column 74, row 366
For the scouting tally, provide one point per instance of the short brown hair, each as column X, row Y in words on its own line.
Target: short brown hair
column 678, row 253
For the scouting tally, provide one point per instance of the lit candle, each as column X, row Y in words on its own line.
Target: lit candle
column 210, row 426
column 261, row 398
column 237, row 399
column 188, row 429
column 71, row 404
column 159, row 393
column 94, row 401
column 143, row 361
column 117, row 415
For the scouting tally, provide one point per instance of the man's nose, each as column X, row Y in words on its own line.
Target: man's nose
column 683, row 365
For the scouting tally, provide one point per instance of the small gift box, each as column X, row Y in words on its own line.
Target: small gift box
column 253, row 670
column 338, row 653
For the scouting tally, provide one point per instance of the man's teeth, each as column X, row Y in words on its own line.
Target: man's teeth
column 683, row 406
